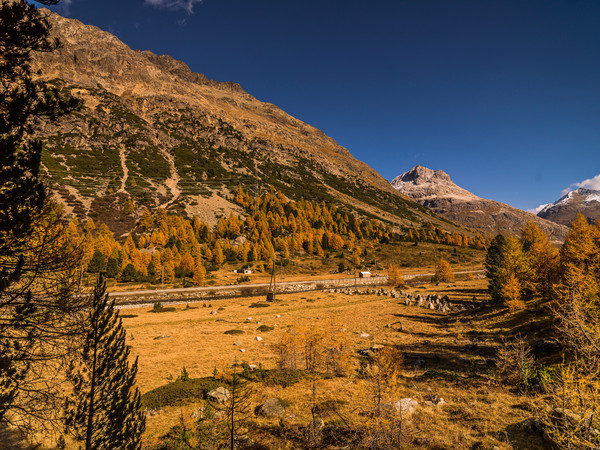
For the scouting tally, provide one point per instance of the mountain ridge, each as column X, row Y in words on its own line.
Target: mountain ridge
column 564, row 210
column 435, row 190
column 156, row 132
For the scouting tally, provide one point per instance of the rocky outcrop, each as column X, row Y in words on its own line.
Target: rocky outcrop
column 435, row 190
column 219, row 395
column 272, row 407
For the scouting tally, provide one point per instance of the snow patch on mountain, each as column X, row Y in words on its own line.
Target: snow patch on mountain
column 538, row 209
column 580, row 200
column 592, row 198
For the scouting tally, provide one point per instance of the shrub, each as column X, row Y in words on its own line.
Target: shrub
column 159, row 308
column 234, row 332
column 276, row 377
column 259, row 305
column 184, row 376
column 435, row 374
column 243, row 279
column 264, row 328
column 518, row 367
column 178, row 393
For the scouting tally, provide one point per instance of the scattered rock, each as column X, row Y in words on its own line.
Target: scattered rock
column 368, row 353
column 152, row 413
column 219, row 395
column 365, row 335
column 238, row 342
column 270, row 408
column 258, row 338
column 435, row 400
column 278, row 316
column 242, row 350
column 406, row 406
column 199, row 413
column 214, row 311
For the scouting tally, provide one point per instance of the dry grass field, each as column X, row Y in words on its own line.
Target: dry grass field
column 481, row 412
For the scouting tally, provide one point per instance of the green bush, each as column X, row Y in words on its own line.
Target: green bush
column 435, row 374
column 264, row 328
column 234, row 332
column 179, row 392
column 275, row 377
column 185, row 376
column 243, row 279
column 159, row 308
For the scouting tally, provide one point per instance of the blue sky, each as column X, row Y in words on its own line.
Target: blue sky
column 503, row 95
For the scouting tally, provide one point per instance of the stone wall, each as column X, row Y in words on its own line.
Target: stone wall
column 241, row 290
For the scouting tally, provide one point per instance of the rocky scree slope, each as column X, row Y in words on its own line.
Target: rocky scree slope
column 156, row 132
column 564, row 210
column 434, row 189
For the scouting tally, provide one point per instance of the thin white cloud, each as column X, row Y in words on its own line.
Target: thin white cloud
column 591, row 183
column 185, row 5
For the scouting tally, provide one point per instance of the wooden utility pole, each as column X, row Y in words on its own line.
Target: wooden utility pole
column 271, row 293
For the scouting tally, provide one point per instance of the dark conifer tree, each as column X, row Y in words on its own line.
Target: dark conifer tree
column 23, row 29
column 97, row 263
column 493, row 261
column 104, row 410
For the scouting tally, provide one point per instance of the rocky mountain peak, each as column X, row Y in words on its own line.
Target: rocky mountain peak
column 435, row 189
column 420, row 174
column 422, row 183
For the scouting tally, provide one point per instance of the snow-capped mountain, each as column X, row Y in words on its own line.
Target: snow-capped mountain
column 435, row 190
column 564, row 210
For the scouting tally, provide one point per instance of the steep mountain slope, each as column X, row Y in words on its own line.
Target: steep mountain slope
column 154, row 131
column 435, row 189
column 564, row 210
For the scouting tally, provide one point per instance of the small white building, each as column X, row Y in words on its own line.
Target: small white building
column 244, row 271
column 364, row 274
